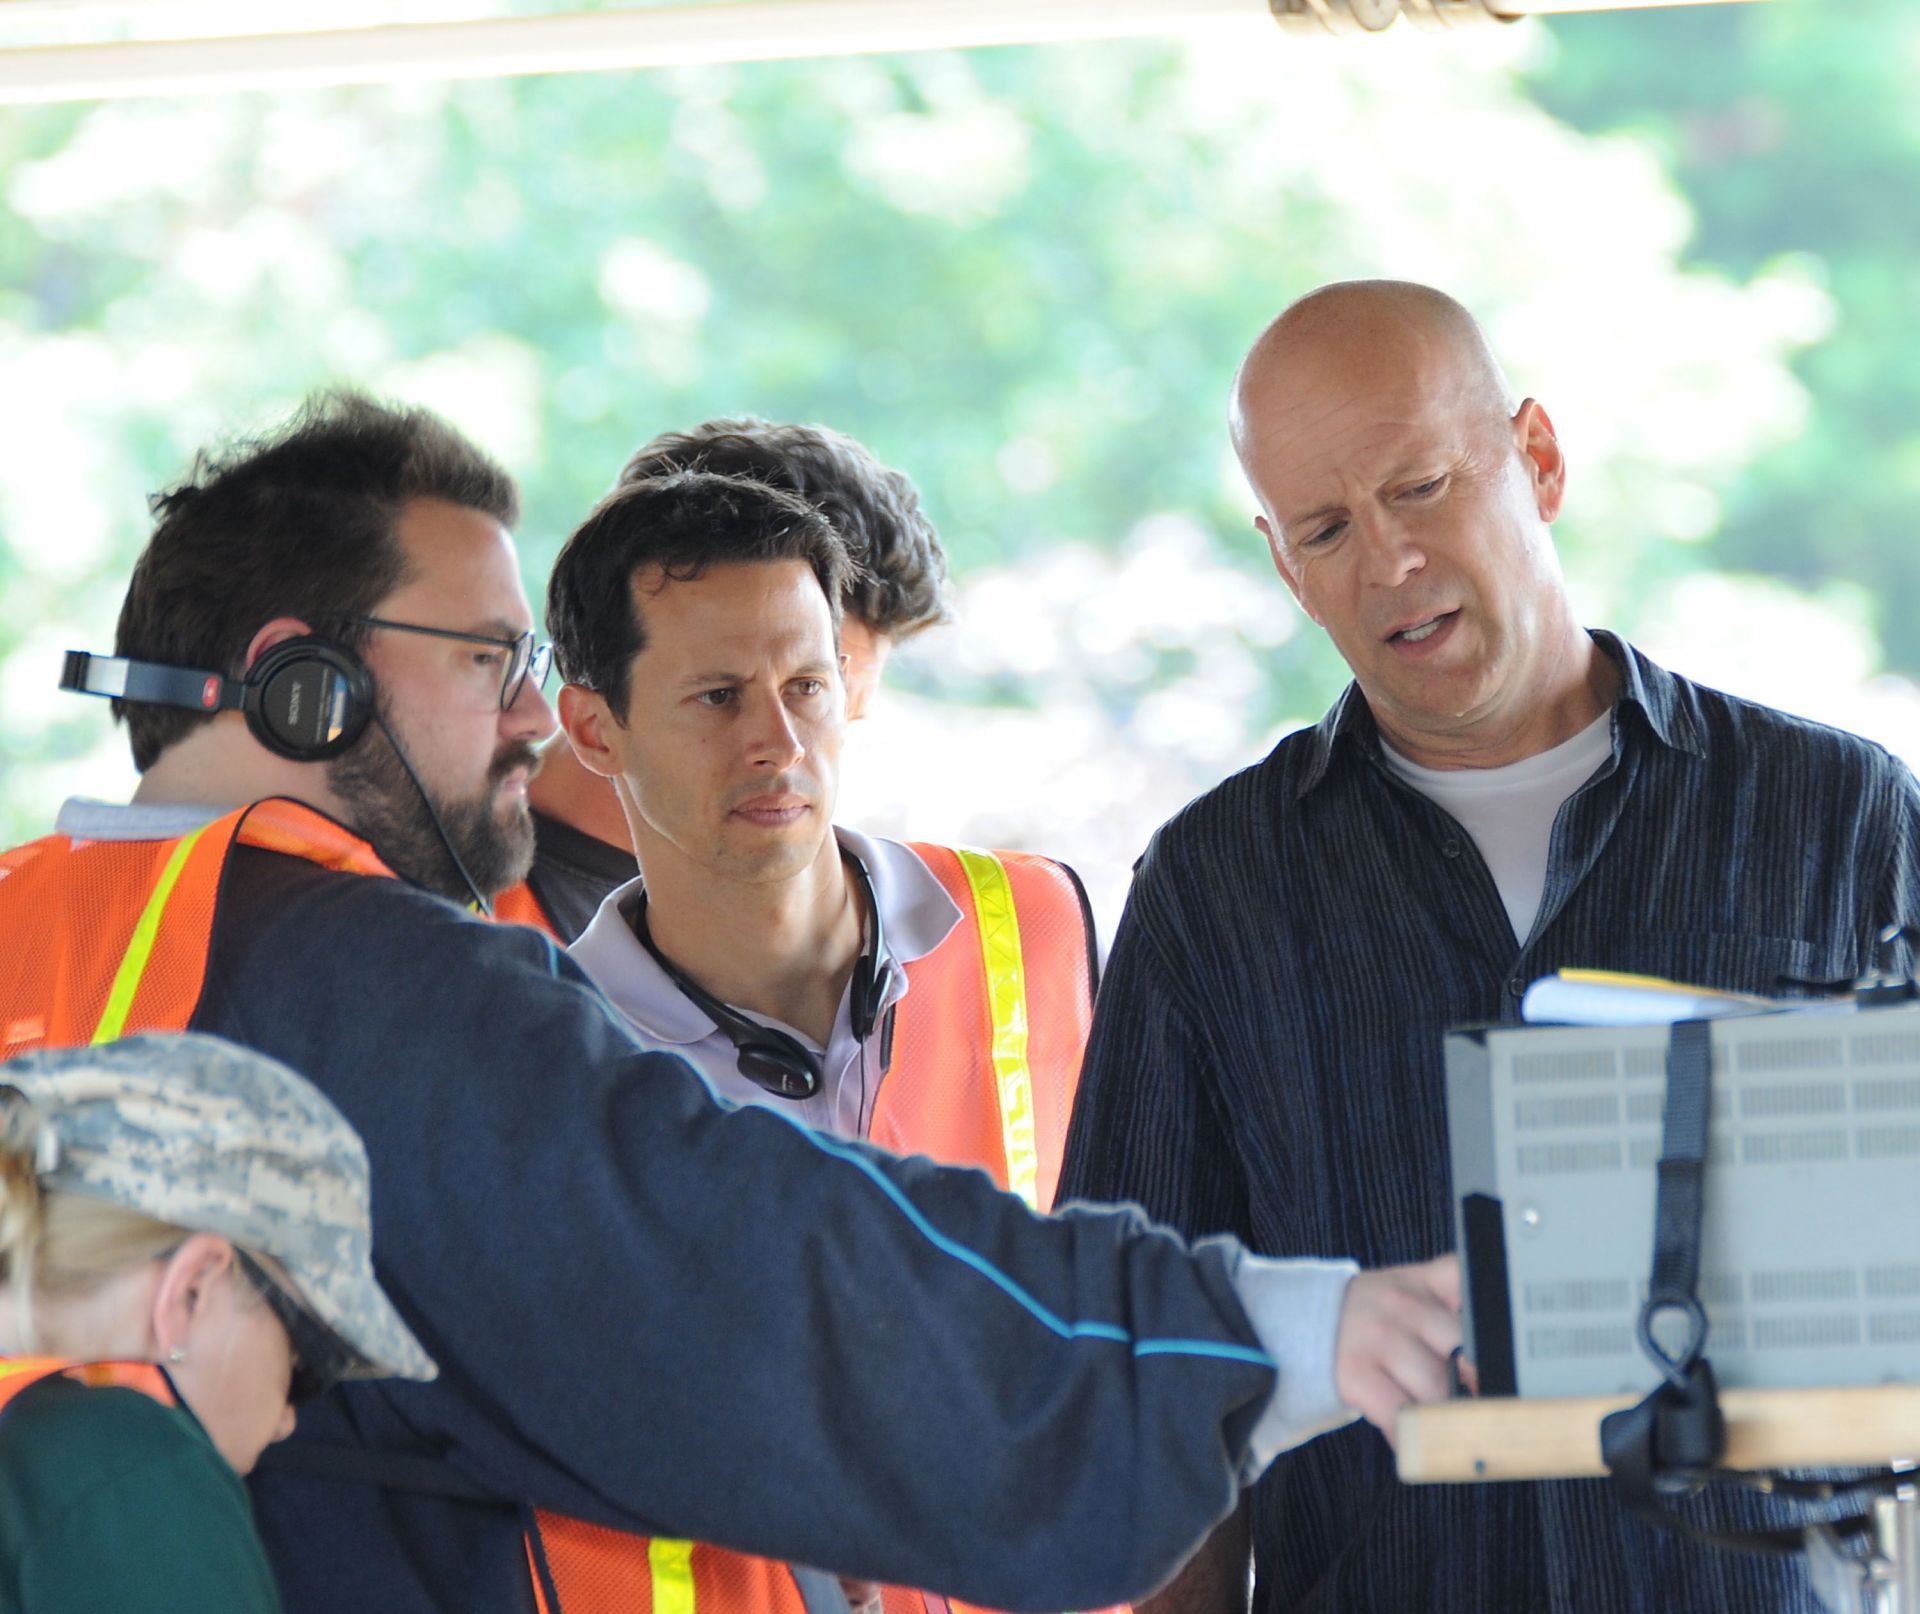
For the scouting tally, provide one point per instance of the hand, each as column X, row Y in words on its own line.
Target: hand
column 1398, row 1326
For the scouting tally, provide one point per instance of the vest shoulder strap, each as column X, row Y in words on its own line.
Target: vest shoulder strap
column 995, row 1022
column 280, row 825
column 126, row 925
column 590, row 1569
column 518, row 905
column 19, row 1373
column 1054, row 915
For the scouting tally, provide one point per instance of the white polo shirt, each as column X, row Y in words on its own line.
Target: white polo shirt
column 916, row 915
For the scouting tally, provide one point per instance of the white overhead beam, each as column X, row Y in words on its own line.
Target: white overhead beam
column 669, row 36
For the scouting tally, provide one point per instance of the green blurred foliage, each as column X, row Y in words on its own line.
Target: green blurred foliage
column 1792, row 129
column 1024, row 276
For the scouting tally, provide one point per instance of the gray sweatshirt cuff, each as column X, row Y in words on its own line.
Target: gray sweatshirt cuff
column 1294, row 1307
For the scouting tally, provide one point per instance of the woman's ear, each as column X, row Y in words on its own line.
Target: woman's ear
column 188, row 1282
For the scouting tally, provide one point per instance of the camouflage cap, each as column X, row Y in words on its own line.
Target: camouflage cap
column 215, row 1138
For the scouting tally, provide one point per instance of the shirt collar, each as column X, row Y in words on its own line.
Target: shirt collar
column 83, row 819
column 1644, row 684
column 1349, row 724
column 915, row 910
column 631, row 977
column 1655, row 691
column 915, row 913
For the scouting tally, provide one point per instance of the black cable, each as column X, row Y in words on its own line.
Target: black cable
column 433, row 813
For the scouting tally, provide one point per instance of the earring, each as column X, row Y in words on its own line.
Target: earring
column 177, row 1355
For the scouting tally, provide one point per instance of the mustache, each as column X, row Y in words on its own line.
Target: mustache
column 518, row 754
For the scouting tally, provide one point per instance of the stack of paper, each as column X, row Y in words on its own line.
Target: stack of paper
column 1608, row 998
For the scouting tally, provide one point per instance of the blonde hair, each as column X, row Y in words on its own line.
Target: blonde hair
column 55, row 1243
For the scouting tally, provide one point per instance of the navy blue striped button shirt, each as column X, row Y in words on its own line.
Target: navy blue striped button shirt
column 1266, row 1060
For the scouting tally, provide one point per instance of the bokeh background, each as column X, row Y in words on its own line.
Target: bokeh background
column 1025, row 277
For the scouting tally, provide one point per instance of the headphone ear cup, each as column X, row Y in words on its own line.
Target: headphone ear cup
column 308, row 699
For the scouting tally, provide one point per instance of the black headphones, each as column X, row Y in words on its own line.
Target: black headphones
column 307, row 699
column 766, row 1055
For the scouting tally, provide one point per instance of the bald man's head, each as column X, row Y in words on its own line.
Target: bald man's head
column 1407, row 500
column 1356, row 329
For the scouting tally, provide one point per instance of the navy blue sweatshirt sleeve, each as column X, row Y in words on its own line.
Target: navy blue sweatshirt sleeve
column 655, row 1311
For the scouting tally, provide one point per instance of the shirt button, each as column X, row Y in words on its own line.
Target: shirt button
column 1449, row 848
column 1517, row 986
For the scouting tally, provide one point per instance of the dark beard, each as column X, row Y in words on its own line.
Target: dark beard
column 389, row 811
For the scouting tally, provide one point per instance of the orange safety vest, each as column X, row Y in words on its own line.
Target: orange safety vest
column 517, row 905
column 89, row 958
column 1004, row 1102
column 18, row 1373
column 124, row 929
column 987, row 1050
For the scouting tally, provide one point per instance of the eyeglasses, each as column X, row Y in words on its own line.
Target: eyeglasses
column 321, row 1358
column 525, row 659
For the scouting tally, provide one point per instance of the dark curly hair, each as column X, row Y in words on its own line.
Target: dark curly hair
column 683, row 523
column 901, row 585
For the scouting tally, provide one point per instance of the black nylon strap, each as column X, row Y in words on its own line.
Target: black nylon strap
column 181, row 686
column 1679, row 1425
column 1680, row 1199
column 1670, row 1442
column 150, row 683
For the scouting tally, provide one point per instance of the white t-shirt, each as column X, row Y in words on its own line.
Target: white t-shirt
column 1510, row 811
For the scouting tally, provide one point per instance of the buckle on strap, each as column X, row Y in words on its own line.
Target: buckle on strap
column 1662, row 1444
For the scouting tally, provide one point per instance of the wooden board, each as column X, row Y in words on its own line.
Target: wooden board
column 1514, row 1438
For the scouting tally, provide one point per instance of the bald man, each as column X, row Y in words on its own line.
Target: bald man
column 1499, row 793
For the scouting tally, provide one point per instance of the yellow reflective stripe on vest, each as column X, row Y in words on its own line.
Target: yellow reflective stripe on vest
column 672, row 1566
column 133, row 963
column 999, row 928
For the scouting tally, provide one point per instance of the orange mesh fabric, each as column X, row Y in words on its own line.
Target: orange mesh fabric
column 285, row 826
column 517, row 905
column 732, row 1581
column 18, row 1372
column 594, row 1567
column 77, row 904
column 940, row 1099
column 601, row 1571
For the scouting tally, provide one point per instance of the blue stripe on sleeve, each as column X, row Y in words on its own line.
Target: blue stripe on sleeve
column 1108, row 1331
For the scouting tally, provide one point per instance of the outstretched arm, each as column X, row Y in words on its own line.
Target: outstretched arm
column 721, row 1326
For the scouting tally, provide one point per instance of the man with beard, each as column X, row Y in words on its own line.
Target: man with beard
column 398, row 567
column 623, row 1281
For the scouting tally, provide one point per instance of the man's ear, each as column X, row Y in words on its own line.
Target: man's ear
column 186, row 1287
column 1280, row 564
column 587, row 719
column 1533, row 431
column 278, row 631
